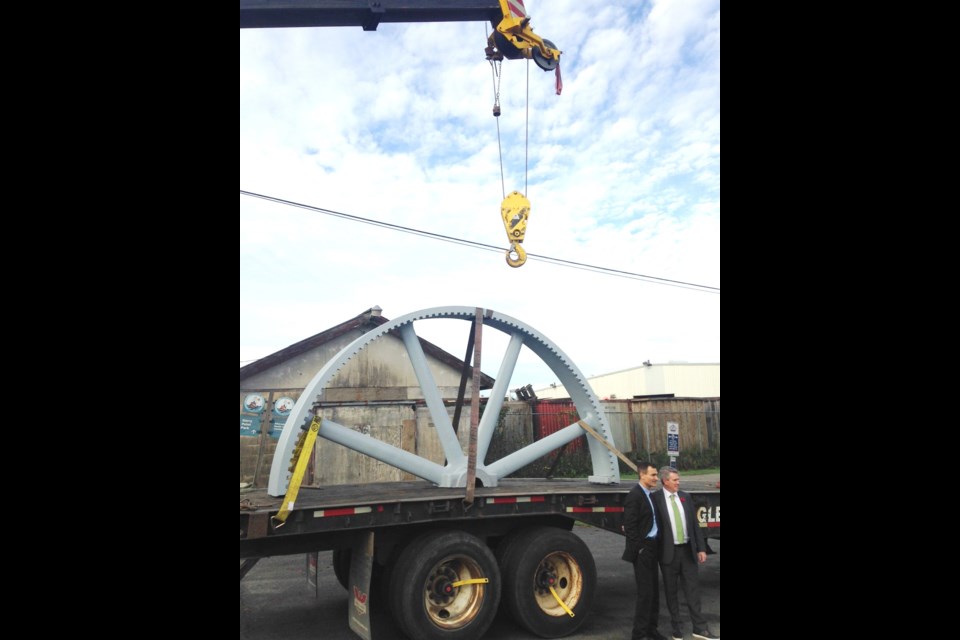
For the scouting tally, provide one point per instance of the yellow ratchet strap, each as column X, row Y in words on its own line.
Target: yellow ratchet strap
column 562, row 603
column 302, row 455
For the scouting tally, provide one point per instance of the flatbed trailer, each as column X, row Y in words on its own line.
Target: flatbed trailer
column 440, row 563
column 321, row 513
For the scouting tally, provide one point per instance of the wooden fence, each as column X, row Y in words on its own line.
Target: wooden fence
column 639, row 429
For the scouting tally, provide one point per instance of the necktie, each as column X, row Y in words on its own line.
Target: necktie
column 653, row 512
column 677, row 518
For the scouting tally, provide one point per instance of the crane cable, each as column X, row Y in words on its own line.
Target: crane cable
column 515, row 208
column 495, row 67
column 496, row 70
column 526, row 136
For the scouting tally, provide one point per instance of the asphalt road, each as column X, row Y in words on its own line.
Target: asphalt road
column 276, row 604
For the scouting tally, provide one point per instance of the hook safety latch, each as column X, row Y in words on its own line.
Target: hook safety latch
column 515, row 211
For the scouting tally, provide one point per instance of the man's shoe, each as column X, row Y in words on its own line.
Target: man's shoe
column 676, row 635
column 656, row 635
column 705, row 635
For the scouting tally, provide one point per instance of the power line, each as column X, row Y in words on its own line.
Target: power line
column 489, row 247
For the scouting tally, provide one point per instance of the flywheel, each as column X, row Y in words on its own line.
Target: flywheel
column 454, row 472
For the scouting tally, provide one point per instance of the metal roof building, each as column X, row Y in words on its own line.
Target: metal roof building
column 681, row 380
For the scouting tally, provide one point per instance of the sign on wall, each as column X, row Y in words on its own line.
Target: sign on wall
column 253, row 406
column 281, row 411
column 673, row 440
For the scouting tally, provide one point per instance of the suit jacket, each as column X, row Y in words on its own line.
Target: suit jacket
column 666, row 534
column 637, row 522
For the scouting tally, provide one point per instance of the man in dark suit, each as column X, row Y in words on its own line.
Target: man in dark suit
column 640, row 526
column 682, row 547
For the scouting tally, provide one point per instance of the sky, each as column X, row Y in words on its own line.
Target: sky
column 622, row 171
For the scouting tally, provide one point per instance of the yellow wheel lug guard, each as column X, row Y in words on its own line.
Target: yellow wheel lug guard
column 562, row 603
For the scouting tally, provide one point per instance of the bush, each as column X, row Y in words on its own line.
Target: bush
column 578, row 464
column 657, row 458
column 706, row 459
column 688, row 460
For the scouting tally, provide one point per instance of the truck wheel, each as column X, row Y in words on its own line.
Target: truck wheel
column 341, row 566
column 425, row 599
column 537, row 559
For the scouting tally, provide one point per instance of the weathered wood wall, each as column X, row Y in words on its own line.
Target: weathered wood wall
column 637, row 425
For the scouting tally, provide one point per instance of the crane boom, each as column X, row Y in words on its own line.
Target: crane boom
column 255, row 14
column 512, row 36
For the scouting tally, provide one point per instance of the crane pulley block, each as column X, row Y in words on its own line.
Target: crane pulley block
column 515, row 210
column 514, row 39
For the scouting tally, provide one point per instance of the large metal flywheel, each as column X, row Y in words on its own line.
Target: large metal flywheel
column 455, row 472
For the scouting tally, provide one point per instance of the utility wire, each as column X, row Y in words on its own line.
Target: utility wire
column 489, row 247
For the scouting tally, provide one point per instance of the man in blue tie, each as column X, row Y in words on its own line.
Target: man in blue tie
column 641, row 528
column 681, row 548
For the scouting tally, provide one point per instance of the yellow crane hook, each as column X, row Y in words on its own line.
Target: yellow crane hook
column 516, row 249
column 515, row 209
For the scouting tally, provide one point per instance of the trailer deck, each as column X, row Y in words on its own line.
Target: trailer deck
column 326, row 517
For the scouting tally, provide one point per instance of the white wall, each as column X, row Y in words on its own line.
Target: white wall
column 682, row 380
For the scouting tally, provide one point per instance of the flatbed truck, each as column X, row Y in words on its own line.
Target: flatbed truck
column 516, row 537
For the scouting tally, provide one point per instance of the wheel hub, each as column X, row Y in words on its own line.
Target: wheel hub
column 442, row 590
column 547, row 579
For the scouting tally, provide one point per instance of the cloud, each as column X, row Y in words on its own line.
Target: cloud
column 622, row 171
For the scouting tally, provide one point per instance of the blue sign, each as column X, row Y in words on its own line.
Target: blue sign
column 249, row 425
column 276, row 427
column 673, row 439
column 281, row 410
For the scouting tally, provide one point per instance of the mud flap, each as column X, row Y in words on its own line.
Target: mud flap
column 361, row 567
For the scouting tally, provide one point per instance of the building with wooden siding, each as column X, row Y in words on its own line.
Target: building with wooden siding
column 376, row 393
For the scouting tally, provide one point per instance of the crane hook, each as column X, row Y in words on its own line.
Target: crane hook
column 515, row 248
column 515, row 210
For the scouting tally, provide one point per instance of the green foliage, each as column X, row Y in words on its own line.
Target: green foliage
column 659, row 459
column 699, row 459
column 571, row 464
column 688, row 460
column 578, row 464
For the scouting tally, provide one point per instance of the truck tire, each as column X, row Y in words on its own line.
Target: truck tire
column 534, row 560
column 423, row 600
column 341, row 566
